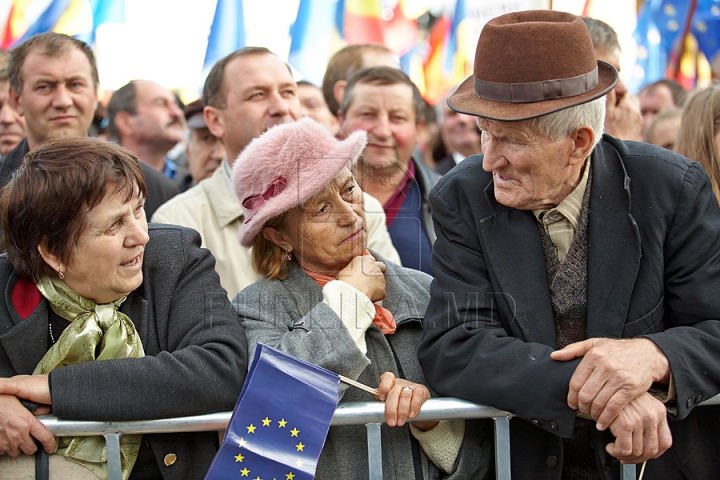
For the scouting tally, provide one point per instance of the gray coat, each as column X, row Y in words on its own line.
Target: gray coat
column 195, row 351
column 267, row 307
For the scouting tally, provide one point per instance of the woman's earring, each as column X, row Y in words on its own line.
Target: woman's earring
column 61, row 275
column 287, row 257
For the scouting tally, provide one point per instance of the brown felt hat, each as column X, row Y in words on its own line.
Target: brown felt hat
column 532, row 63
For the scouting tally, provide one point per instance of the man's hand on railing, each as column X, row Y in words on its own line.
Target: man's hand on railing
column 403, row 400
column 612, row 374
column 641, row 431
column 19, row 427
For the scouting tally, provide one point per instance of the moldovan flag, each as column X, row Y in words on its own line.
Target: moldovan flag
column 280, row 421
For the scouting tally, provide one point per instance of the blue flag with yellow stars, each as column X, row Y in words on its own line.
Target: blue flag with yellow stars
column 280, row 421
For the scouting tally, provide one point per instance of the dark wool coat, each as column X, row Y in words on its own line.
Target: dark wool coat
column 195, row 351
column 653, row 271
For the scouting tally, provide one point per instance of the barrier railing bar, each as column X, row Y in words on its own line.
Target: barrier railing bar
column 374, row 443
column 502, row 448
column 355, row 413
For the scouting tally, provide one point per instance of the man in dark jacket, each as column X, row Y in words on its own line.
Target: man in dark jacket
column 576, row 275
column 53, row 84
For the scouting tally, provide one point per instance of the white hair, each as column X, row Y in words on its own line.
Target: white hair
column 558, row 125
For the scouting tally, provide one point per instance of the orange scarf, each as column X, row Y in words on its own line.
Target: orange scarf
column 383, row 318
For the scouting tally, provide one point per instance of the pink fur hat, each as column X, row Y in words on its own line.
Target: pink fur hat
column 285, row 166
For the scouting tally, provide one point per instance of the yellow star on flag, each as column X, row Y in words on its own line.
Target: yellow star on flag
column 239, row 458
column 244, row 472
column 251, row 428
column 266, row 422
column 300, row 447
column 242, row 443
column 289, row 476
column 282, row 423
column 299, row 463
column 294, row 432
column 257, row 478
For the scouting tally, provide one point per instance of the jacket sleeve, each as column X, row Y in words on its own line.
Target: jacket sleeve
column 203, row 361
column 320, row 337
column 471, row 347
column 691, row 335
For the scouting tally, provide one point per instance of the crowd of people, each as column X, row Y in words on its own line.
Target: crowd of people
column 541, row 241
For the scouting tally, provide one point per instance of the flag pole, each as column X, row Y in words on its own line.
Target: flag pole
column 359, row 385
column 686, row 32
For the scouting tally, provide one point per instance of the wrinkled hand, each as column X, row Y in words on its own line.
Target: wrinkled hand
column 18, row 427
column 623, row 118
column 403, row 400
column 611, row 374
column 367, row 275
column 30, row 387
column 641, row 431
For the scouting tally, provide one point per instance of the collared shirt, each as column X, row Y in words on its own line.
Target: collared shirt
column 561, row 222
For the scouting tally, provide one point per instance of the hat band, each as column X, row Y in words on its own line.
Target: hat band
column 536, row 91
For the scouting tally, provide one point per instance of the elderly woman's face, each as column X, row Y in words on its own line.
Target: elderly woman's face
column 107, row 262
column 329, row 231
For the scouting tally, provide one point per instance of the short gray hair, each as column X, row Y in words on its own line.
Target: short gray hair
column 557, row 125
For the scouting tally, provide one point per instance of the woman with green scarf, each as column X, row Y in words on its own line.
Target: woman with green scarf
column 85, row 279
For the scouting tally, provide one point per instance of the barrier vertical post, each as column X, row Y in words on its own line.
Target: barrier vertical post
column 374, row 442
column 112, row 442
column 502, row 448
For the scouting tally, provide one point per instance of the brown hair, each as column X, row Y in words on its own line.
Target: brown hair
column 214, row 89
column 267, row 258
column 342, row 65
column 383, row 76
column 50, row 195
column 123, row 100
column 50, row 44
column 698, row 127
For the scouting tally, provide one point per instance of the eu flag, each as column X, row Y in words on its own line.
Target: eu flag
column 280, row 421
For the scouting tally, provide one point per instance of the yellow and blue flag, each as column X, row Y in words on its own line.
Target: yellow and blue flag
column 280, row 421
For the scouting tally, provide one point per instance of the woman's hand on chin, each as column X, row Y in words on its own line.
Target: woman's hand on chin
column 403, row 400
column 367, row 275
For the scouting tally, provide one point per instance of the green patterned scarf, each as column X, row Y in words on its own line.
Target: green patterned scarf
column 100, row 330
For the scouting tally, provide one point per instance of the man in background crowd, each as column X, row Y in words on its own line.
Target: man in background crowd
column 204, row 151
column 659, row 96
column 12, row 125
column 347, row 61
column 313, row 105
column 622, row 117
column 460, row 136
column 146, row 119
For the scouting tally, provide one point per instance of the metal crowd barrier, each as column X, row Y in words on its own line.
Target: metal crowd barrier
column 372, row 414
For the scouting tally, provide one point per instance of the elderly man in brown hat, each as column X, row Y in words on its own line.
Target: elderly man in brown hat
column 577, row 275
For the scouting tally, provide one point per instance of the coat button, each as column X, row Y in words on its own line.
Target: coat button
column 689, row 403
column 553, row 426
column 170, row 458
column 698, row 399
column 552, row 461
column 535, row 422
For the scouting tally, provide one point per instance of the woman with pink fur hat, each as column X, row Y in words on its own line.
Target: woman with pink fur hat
column 327, row 299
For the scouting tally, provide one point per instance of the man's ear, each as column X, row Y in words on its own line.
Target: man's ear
column 339, row 90
column 123, row 123
column 582, row 143
column 15, row 101
column 50, row 258
column 278, row 238
column 215, row 121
